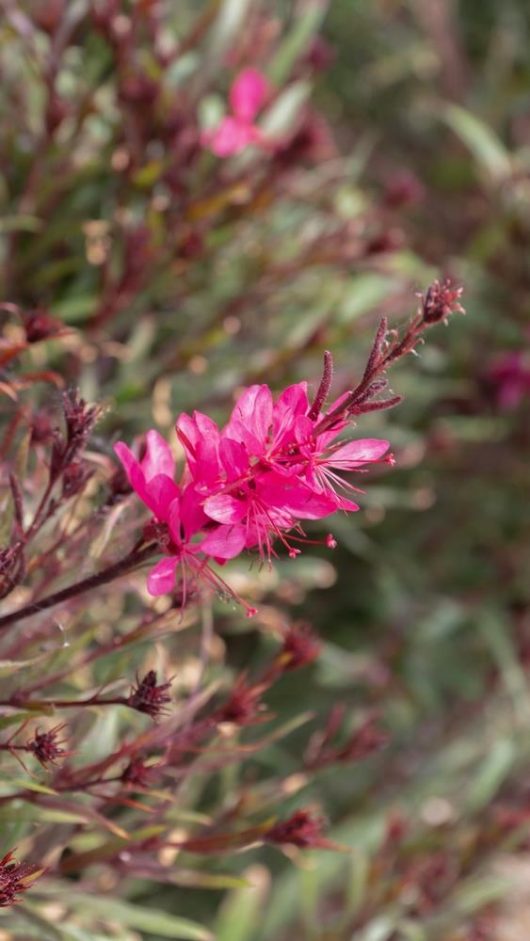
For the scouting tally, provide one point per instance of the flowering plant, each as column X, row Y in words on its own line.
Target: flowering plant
column 247, row 486
column 151, row 738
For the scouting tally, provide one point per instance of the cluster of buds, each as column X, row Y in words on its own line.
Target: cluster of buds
column 40, row 325
column 12, row 567
column 304, row 829
column 79, row 420
column 46, row 747
column 244, row 705
column 149, row 696
column 440, row 301
column 362, row 742
column 300, row 647
column 15, row 878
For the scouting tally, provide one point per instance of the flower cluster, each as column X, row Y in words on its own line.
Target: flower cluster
column 15, row 878
column 250, row 484
column 237, row 130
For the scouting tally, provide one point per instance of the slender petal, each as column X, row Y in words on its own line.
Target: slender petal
column 159, row 457
column 225, row 542
column 357, row 453
column 248, row 94
column 161, row 578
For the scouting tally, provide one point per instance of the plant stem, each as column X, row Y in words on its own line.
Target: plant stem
column 33, row 704
column 86, row 584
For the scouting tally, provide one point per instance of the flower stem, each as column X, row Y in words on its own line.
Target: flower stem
column 135, row 557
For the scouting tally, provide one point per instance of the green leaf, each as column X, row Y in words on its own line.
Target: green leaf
column 77, row 308
column 20, row 223
column 7, row 667
column 411, row 931
column 364, row 293
column 357, row 883
column 240, row 914
column 143, row 919
column 380, row 929
column 29, row 785
column 492, row 773
column 228, row 23
column 282, row 115
column 307, row 23
column 496, row 631
column 489, row 152
column 47, row 931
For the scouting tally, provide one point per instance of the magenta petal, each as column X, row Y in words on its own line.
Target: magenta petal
column 252, row 415
column 294, row 398
column 234, row 458
column 134, row 472
column 161, row 578
column 302, row 429
column 188, row 434
column 192, row 515
column 355, row 453
column 344, row 504
column 230, row 137
column 225, row 542
column 160, row 492
column 224, row 508
column 200, row 438
column 292, row 496
column 126, row 457
column 159, row 458
column 248, row 93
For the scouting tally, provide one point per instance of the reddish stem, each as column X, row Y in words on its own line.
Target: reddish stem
column 86, row 584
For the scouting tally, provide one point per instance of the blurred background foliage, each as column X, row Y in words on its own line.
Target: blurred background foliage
column 406, row 154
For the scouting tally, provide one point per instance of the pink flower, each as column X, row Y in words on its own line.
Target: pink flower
column 265, row 509
column 285, row 436
column 508, row 376
column 250, row 484
column 238, row 130
column 251, row 502
column 152, row 477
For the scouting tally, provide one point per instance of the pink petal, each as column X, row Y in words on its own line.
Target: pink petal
column 292, row 496
column 159, row 458
column 234, row 458
column 192, row 514
column 160, row 493
column 188, row 434
column 251, row 415
column 200, row 437
column 248, row 94
column 303, row 429
column 356, row 453
column 133, row 470
column 191, row 430
column 225, row 542
column 294, row 398
column 344, row 504
column 224, row 508
column 157, row 493
column 161, row 578
column 126, row 456
column 230, row 137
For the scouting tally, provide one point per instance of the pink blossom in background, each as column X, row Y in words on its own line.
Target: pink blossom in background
column 509, row 378
column 238, row 130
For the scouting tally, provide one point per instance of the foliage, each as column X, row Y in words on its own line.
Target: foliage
column 148, row 748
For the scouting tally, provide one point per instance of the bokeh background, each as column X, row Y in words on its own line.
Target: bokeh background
column 405, row 156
